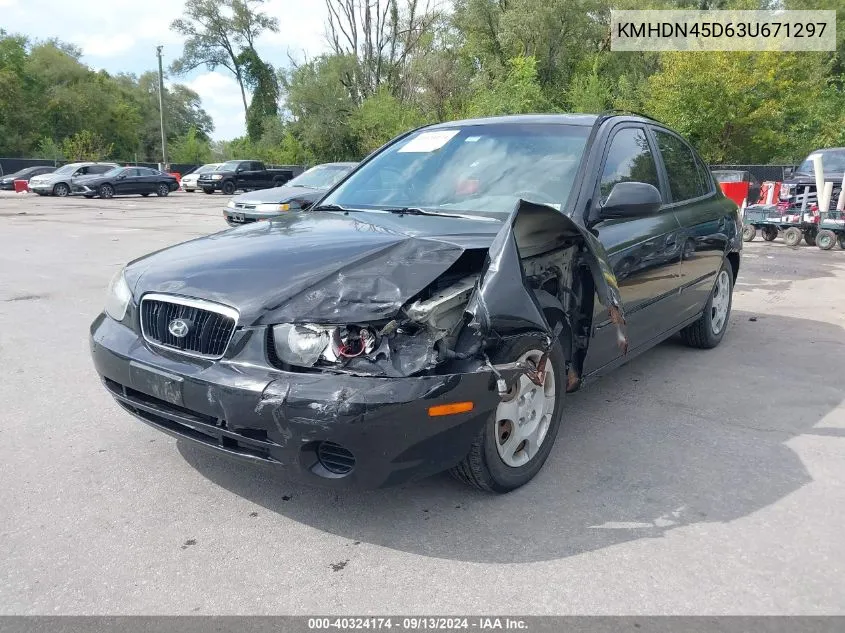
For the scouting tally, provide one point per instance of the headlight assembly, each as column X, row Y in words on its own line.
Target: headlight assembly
column 118, row 297
column 273, row 207
column 216, row 176
column 299, row 345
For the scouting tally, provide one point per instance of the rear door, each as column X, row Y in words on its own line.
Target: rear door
column 704, row 214
column 643, row 252
column 148, row 180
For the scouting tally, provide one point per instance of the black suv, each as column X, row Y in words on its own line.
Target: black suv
column 433, row 309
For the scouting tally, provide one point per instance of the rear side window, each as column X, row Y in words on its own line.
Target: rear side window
column 682, row 169
column 629, row 159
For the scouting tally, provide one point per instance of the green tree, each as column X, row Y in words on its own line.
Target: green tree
column 86, row 146
column 190, row 148
column 518, row 91
column 380, row 118
column 217, row 33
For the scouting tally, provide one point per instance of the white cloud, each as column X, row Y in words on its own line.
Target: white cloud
column 221, row 98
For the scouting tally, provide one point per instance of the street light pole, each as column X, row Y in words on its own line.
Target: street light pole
column 161, row 109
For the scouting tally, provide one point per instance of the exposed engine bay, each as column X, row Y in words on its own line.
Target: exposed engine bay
column 448, row 322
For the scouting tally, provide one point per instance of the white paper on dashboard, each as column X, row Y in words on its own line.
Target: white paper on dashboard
column 428, row 141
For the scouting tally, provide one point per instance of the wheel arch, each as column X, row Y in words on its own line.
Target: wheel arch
column 733, row 259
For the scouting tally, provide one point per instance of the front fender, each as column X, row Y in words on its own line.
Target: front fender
column 503, row 303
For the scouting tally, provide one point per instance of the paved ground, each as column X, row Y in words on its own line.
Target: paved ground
column 687, row 482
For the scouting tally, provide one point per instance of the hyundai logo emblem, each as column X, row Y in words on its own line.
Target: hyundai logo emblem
column 179, row 328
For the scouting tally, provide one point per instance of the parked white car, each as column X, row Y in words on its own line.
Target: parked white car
column 189, row 180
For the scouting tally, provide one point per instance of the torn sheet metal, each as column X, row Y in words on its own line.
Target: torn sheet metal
column 503, row 304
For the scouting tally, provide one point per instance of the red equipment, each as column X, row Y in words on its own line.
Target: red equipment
column 21, row 186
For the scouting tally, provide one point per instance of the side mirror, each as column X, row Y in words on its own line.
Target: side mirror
column 787, row 172
column 239, row 170
column 631, row 200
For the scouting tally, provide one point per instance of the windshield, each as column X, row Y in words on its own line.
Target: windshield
column 320, row 177
column 67, row 169
column 832, row 160
column 207, row 168
column 482, row 169
column 230, row 165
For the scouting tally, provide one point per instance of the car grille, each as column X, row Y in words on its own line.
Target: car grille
column 210, row 326
column 245, row 206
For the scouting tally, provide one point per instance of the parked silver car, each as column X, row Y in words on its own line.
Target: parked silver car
column 189, row 180
column 60, row 182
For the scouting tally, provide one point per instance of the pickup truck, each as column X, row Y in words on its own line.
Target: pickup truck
column 243, row 174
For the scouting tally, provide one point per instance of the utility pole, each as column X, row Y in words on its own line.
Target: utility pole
column 161, row 109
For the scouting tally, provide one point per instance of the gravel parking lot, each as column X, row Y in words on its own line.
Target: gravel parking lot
column 687, row 482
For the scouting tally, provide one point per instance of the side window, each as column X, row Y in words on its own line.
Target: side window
column 685, row 180
column 628, row 159
column 256, row 166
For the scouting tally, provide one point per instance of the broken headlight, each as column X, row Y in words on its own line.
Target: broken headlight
column 300, row 345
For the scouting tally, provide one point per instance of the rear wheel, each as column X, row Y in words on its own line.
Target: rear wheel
column 842, row 242
column 810, row 237
column 514, row 443
column 749, row 232
column 792, row 236
column 209, row 191
column 162, row 190
column 190, row 190
column 708, row 331
column 770, row 233
column 228, row 188
column 825, row 239
column 106, row 191
column 61, row 190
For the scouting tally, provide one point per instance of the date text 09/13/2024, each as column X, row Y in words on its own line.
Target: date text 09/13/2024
column 418, row 623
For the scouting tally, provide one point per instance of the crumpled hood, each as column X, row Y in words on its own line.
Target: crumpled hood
column 318, row 267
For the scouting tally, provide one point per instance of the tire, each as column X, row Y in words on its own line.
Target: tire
column 145, row 195
column 749, row 232
column 228, row 188
column 810, row 238
column 162, row 190
column 792, row 236
column 105, row 191
column 61, row 190
column 842, row 242
column 190, row 190
column 826, row 239
column 208, row 191
column 484, row 467
column 770, row 233
column 708, row 331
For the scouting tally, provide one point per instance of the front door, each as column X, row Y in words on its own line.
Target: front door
column 644, row 252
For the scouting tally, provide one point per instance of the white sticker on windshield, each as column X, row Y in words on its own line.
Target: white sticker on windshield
column 428, row 141
column 472, row 139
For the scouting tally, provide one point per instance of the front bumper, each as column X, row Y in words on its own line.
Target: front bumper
column 210, row 184
column 244, row 407
column 237, row 217
column 41, row 187
column 7, row 186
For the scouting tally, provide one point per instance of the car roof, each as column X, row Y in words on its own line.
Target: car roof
column 548, row 119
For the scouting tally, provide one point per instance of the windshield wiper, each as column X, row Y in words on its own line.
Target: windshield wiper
column 408, row 211
column 331, row 207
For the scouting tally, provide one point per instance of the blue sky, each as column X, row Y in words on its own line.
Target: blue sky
column 122, row 35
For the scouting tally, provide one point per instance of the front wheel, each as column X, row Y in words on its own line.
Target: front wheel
column 707, row 332
column 106, row 191
column 162, row 190
column 228, row 188
column 514, row 443
column 749, row 232
column 61, row 190
column 190, row 190
column 842, row 241
column 208, row 191
column 792, row 236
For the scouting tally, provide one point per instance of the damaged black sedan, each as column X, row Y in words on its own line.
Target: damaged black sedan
column 433, row 309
